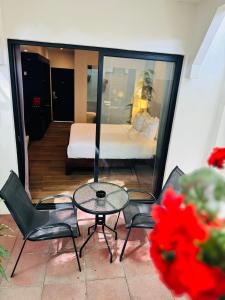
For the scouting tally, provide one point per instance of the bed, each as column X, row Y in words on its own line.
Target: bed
column 119, row 142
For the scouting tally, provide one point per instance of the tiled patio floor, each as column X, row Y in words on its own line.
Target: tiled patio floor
column 47, row 269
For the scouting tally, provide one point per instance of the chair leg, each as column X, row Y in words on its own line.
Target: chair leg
column 125, row 243
column 75, row 213
column 78, row 228
column 75, row 250
column 115, row 226
column 18, row 258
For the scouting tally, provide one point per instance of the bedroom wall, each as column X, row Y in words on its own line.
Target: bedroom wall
column 163, row 74
column 35, row 49
column 71, row 59
column 79, row 61
column 82, row 59
column 167, row 26
column 61, row 58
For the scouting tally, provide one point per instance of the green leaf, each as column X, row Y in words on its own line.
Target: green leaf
column 169, row 255
column 212, row 252
column 4, row 227
column 206, row 189
column 3, row 252
column 2, row 272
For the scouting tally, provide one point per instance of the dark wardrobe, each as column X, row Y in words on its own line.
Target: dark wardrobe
column 36, row 89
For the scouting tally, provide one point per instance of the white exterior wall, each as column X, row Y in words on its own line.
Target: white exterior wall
column 8, row 156
column 220, row 139
column 167, row 26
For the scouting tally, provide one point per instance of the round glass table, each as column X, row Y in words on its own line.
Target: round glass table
column 100, row 199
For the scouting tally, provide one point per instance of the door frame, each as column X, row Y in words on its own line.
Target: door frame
column 177, row 59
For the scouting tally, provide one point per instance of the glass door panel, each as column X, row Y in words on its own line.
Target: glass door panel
column 134, row 95
column 92, row 83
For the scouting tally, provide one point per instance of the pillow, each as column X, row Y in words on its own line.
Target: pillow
column 138, row 121
column 150, row 128
column 147, row 115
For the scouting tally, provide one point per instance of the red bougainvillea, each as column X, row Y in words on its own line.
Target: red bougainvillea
column 174, row 248
column 217, row 157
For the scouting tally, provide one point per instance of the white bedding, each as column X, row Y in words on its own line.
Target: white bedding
column 118, row 141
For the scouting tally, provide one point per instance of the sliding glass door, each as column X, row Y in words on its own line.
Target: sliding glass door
column 135, row 95
column 135, row 110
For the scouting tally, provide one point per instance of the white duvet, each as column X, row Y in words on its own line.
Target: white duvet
column 117, row 141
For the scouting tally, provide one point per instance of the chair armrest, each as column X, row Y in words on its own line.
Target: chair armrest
column 55, row 196
column 143, row 192
column 47, row 227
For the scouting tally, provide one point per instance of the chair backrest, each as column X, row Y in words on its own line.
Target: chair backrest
column 18, row 202
column 172, row 181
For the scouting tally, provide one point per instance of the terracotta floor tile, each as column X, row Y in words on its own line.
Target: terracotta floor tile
column 52, row 263
column 138, row 262
column 41, row 247
column 64, row 245
column 111, row 220
column 148, row 287
column 98, row 265
column 21, row 293
column 9, row 221
column 107, row 289
column 83, row 216
column 63, row 268
column 97, row 241
column 57, row 245
column 137, row 236
column 75, row 291
column 5, row 218
column 137, row 239
column 8, row 242
column 30, row 270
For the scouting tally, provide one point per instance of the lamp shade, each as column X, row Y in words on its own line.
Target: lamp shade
column 143, row 104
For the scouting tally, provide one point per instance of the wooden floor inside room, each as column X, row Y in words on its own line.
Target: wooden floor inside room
column 47, row 167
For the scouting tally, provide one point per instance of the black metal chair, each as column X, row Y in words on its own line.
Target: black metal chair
column 37, row 225
column 137, row 213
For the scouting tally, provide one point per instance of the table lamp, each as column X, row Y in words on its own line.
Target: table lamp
column 142, row 104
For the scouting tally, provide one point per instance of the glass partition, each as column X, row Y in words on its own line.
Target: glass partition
column 134, row 94
column 92, row 82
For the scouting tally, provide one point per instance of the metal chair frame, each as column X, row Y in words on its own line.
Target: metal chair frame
column 149, row 202
column 28, row 236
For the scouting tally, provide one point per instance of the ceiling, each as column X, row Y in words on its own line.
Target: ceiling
column 30, row 48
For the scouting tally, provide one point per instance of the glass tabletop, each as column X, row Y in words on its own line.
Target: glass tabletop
column 100, row 198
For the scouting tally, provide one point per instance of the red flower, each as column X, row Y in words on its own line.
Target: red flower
column 217, row 158
column 174, row 250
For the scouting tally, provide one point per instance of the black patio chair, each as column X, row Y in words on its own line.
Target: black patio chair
column 137, row 213
column 36, row 225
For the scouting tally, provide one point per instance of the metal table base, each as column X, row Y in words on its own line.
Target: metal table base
column 99, row 221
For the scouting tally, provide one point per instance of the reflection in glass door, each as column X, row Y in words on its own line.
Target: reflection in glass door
column 135, row 93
